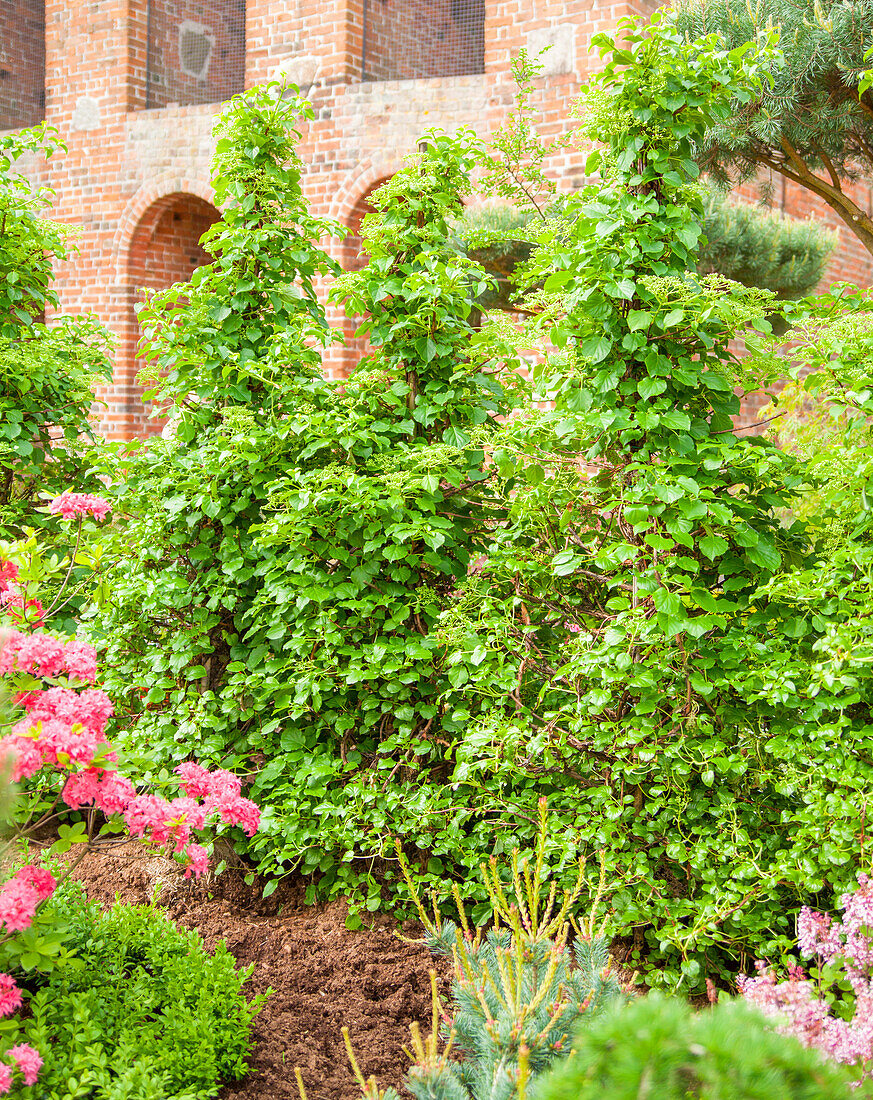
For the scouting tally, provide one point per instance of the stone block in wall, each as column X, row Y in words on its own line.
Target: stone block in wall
column 555, row 46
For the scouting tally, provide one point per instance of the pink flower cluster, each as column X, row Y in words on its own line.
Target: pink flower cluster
column 64, row 729
column 13, row 601
column 220, row 791
column 71, row 505
column 167, row 822
column 10, row 995
column 61, row 728
column 21, row 894
column 46, row 656
column 28, row 1062
column 798, row 1002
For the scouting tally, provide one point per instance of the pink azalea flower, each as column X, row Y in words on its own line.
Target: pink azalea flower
column 82, row 788
column 147, row 813
column 198, row 861
column 115, row 794
column 223, row 785
column 5, row 1078
column 39, row 654
column 22, row 756
column 71, row 505
column 28, row 1061
column 18, row 902
column 242, row 812
column 107, row 790
column 189, row 811
column 80, row 661
column 91, row 708
column 38, row 878
column 59, row 743
column 10, row 995
column 195, row 779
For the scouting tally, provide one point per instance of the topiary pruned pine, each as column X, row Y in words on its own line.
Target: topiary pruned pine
column 752, row 245
column 763, row 248
column 661, row 1048
column 518, row 989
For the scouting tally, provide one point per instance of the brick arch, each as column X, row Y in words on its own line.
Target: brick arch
column 148, row 198
column 359, row 183
column 352, row 244
column 158, row 244
column 345, row 357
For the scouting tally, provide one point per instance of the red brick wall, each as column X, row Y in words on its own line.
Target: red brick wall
column 125, row 162
column 420, row 39
column 22, row 63
column 224, row 22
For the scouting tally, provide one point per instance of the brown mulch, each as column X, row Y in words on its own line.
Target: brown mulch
column 324, row 977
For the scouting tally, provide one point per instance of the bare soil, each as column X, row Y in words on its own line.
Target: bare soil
column 323, row 976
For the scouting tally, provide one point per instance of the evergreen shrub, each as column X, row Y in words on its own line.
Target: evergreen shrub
column 519, row 989
column 661, row 1047
column 136, row 1008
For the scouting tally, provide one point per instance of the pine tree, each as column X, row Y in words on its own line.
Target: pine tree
column 808, row 121
column 519, row 990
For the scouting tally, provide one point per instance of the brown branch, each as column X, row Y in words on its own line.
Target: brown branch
column 745, row 427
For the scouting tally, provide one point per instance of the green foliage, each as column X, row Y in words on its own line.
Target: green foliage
column 412, row 603
column 518, row 990
column 616, row 610
column 290, row 549
column 47, row 373
column 660, row 1047
column 139, row 1012
column 755, row 247
column 763, row 248
column 51, row 941
column 812, row 118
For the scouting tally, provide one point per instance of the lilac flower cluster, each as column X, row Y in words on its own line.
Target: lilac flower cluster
column 799, row 1002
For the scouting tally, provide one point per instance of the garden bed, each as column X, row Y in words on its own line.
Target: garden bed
column 324, row 976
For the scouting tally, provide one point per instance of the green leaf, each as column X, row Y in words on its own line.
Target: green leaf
column 713, row 546
column 638, row 319
column 596, row 348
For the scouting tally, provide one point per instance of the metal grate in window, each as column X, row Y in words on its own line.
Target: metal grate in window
column 196, row 52
column 417, row 39
column 22, row 63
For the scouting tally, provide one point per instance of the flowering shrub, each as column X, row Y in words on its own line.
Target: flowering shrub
column 70, row 505
column 57, row 736
column 49, row 371
column 13, row 602
column 832, row 1009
